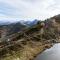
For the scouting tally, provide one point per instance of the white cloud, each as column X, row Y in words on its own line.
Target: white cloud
column 25, row 9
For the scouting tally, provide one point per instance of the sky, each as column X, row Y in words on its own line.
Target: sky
column 14, row 10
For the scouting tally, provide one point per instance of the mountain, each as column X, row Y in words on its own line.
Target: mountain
column 12, row 27
column 46, row 30
column 49, row 24
column 36, row 39
column 30, row 23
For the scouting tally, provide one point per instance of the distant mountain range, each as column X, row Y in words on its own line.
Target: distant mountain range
column 14, row 27
column 31, row 23
column 27, row 23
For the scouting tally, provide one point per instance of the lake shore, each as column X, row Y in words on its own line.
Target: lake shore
column 28, row 52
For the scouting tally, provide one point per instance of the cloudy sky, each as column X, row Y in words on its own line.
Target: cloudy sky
column 28, row 9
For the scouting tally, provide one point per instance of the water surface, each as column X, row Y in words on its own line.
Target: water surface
column 50, row 54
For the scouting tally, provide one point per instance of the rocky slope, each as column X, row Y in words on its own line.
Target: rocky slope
column 27, row 44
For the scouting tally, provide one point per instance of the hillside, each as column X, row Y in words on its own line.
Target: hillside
column 27, row 44
column 14, row 27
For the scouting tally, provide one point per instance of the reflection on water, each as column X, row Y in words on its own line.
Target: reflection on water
column 50, row 54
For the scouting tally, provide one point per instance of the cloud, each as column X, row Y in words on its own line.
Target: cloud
column 29, row 9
